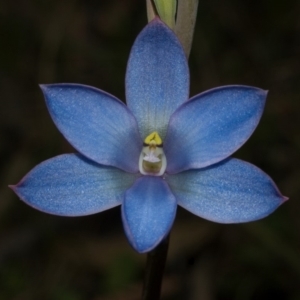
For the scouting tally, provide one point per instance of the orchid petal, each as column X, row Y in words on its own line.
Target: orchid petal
column 148, row 212
column 98, row 125
column 157, row 78
column 211, row 126
column 71, row 185
column 232, row 191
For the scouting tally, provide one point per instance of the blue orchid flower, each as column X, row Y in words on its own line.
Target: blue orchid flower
column 160, row 151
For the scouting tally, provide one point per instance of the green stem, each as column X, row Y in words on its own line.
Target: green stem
column 156, row 260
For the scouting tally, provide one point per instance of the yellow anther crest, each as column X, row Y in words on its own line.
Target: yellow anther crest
column 153, row 139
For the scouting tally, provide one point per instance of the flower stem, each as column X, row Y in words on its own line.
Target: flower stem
column 156, row 260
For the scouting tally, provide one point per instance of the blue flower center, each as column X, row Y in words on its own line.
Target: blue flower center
column 152, row 158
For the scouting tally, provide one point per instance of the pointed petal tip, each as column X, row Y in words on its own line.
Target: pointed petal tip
column 284, row 199
column 140, row 249
column 235, row 87
column 15, row 188
column 12, row 187
column 157, row 20
column 264, row 93
column 43, row 86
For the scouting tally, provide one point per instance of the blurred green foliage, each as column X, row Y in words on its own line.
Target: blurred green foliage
column 236, row 42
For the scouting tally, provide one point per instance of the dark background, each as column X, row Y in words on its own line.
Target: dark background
column 54, row 258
